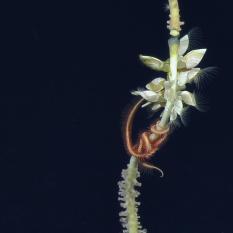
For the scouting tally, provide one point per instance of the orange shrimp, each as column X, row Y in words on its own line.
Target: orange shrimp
column 148, row 142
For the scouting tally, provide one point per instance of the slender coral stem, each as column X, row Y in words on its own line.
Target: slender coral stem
column 128, row 194
column 174, row 27
column 173, row 49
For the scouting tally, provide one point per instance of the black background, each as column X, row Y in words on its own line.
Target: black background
column 65, row 77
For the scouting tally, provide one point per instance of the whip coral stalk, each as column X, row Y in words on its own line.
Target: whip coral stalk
column 129, row 217
column 166, row 94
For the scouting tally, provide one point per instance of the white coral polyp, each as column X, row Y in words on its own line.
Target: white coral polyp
column 188, row 62
column 182, row 97
column 156, row 84
column 153, row 93
column 187, row 76
column 150, row 96
column 177, row 109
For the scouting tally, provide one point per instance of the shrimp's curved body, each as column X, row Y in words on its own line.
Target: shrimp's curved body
column 148, row 142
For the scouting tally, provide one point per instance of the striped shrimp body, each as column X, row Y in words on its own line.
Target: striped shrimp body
column 148, row 142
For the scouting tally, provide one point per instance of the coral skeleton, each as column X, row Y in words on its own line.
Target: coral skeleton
column 170, row 96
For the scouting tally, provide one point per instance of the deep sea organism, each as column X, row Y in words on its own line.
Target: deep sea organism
column 167, row 94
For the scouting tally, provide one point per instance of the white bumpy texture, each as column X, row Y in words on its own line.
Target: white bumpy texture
column 127, row 196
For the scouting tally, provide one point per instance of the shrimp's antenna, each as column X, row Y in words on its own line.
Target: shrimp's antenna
column 151, row 166
column 127, row 130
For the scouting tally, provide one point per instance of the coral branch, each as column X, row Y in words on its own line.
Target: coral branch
column 172, row 76
column 129, row 217
column 170, row 94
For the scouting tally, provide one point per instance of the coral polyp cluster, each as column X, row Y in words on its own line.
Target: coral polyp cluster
column 169, row 95
column 160, row 90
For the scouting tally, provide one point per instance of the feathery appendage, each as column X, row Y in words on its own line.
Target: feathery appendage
column 128, row 194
